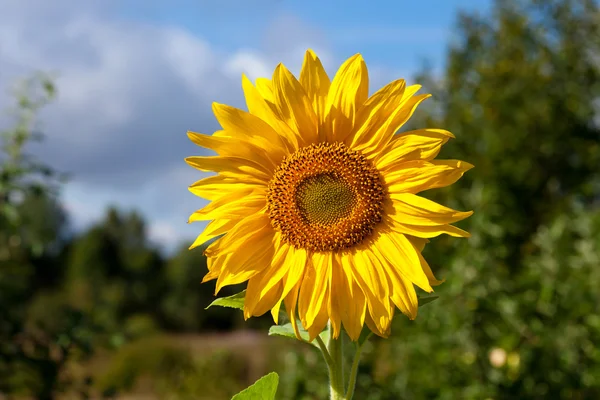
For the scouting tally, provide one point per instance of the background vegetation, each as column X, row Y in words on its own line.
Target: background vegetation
column 104, row 313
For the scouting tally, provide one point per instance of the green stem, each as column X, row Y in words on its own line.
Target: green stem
column 336, row 369
column 324, row 351
column 354, row 371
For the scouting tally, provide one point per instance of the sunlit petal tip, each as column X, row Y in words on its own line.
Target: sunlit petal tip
column 437, row 282
column 355, row 58
column 216, row 106
column 465, row 166
column 414, row 88
column 191, row 134
column 310, row 53
column 278, row 68
column 189, row 161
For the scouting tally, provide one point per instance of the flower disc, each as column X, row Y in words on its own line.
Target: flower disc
column 325, row 197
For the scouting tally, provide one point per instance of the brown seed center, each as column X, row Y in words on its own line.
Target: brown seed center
column 325, row 197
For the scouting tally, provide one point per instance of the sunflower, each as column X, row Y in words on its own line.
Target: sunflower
column 314, row 202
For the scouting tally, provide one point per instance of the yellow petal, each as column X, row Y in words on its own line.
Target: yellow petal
column 383, row 331
column 405, row 298
column 260, row 108
column 265, row 88
column 275, row 311
column 377, row 142
column 423, row 231
column 235, row 147
column 348, row 91
column 265, row 303
column 215, row 266
column 355, row 307
column 213, row 187
column 419, row 244
column 403, row 295
column 337, row 300
column 294, row 265
column 242, row 125
column 416, row 210
column 291, row 301
column 214, row 229
column 240, row 203
column 295, row 261
column 400, row 253
column 295, row 108
column 314, row 287
column 422, row 144
column 416, row 176
column 374, row 113
column 320, row 321
column 433, row 281
column 252, row 225
column 237, row 166
column 247, row 260
column 287, row 262
column 373, row 281
column 316, row 83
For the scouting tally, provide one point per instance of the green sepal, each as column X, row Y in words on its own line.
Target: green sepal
column 427, row 299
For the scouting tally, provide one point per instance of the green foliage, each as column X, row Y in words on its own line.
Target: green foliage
column 287, row 330
column 40, row 332
column 263, row 389
column 423, row 300
column 235, row 301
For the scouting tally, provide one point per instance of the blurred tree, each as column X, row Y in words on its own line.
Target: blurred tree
column 39, row 331
column 114, row 272
column 518, row 313
column 185, row 299
column 183, row 306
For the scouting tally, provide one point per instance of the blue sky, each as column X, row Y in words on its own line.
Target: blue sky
column 134, row 75
column 386, row 32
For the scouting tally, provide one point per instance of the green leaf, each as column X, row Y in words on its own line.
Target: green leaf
column 427, row 299
column 287, row 330
column 235, row 301
column 263, row 389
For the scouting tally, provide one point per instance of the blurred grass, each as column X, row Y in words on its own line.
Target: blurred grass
column 214, row 366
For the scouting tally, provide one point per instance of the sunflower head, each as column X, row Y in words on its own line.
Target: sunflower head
column 315, row 198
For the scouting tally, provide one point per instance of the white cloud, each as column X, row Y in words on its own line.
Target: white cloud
column 248, row 62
